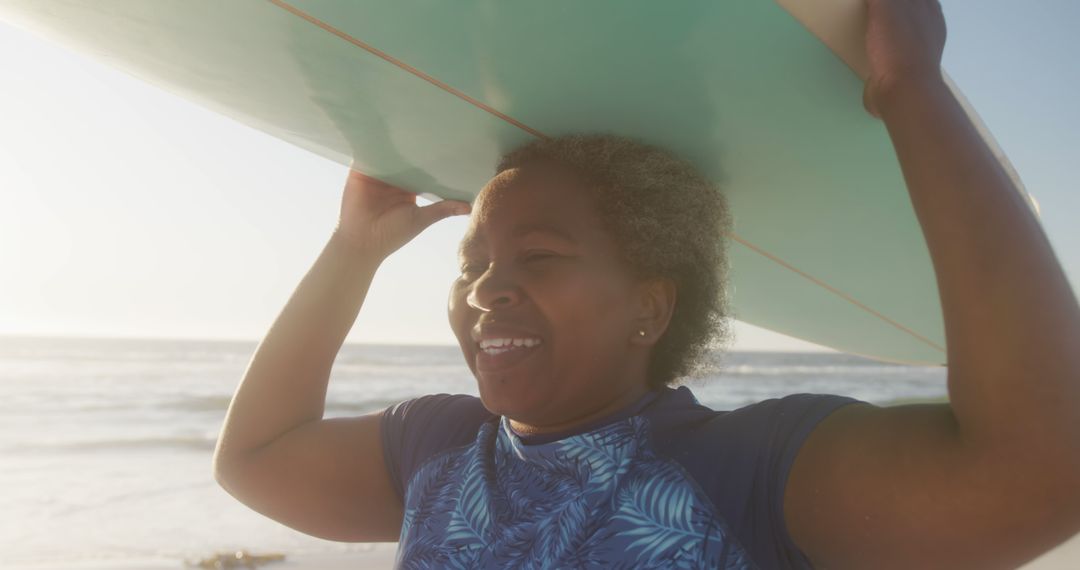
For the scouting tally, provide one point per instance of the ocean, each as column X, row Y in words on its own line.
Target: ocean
column 106, row 444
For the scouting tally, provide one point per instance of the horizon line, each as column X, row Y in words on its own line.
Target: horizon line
column 235, row 339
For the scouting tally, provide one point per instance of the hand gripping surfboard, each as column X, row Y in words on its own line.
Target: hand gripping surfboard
column 765, row 96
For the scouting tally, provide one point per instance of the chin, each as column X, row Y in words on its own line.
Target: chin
column 505, row 395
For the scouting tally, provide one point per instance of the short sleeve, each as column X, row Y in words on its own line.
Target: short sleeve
column 783, row 426
column 742, row 459
column 416, row 430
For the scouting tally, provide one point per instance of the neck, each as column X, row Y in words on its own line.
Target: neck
column 606, row 408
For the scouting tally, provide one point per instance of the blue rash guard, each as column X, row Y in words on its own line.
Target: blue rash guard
column 665, row 483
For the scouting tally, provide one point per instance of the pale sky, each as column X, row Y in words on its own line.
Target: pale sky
column 126, row 211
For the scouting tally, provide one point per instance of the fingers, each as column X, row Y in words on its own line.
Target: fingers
column 868, row 101
column 359, row 181
column 427, row 215
column 904, row 43
column 359, row 178
column 388, row 213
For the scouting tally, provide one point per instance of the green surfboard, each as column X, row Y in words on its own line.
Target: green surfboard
column 764, row 96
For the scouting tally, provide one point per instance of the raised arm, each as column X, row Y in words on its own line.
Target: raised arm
column 276, row 453
column 993, row 479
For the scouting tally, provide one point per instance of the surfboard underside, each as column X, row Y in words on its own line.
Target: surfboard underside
column 428, row 95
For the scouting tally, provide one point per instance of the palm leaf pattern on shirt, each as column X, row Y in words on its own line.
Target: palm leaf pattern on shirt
column 662, row 514
column 470, row 520
column 596, row 500
column 598, row 458
column 429, row 483
column 422, row 524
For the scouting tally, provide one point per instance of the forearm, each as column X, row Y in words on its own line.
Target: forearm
column 1012, row 323
column 285, row 383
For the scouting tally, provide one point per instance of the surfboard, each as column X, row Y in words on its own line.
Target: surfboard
column 764, row 96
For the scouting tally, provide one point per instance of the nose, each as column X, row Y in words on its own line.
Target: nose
column 493, row 290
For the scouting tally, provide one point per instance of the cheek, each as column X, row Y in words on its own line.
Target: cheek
column 591, row 307
column 457, row 310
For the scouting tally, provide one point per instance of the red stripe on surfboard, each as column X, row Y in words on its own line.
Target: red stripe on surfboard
column 412, row 70
column 397, row 62
column 835, row 291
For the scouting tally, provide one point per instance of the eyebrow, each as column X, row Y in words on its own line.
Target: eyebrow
column 519, row 233
column 524, row 231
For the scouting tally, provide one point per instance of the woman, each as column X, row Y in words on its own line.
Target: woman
column 576, row 307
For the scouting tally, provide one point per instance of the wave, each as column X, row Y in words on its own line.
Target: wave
column 220, row 403
column 818, row 370
column 361, row 406
column 202, row 403
column 190, row 443
column 179, row 406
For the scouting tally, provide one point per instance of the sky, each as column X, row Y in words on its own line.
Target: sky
column 126, row 211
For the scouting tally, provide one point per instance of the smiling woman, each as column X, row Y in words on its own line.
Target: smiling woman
column 592, row 277
column 582, row 255
column 580, row 243
column 667, row 220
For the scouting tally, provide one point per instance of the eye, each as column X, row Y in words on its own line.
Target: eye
column 531, row 256
column 474, row 268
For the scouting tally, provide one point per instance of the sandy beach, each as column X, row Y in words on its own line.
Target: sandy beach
column 375, row 559
column 1066, row 557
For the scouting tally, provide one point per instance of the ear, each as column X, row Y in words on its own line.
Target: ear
column 656, row 304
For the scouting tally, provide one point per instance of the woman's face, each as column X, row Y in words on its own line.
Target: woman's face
column 545, row 310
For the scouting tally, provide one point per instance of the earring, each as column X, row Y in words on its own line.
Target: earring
column 641, row 333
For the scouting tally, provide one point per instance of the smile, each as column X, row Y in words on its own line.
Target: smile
column 501, row 354
column 495, row 346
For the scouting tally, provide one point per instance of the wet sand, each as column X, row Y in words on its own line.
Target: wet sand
column 365, row 560
column 1065, row 557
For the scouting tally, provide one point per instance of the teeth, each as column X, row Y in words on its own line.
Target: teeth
column 499, row 345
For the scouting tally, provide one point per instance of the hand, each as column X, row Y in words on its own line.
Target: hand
column 904, row 43
column 380, row 218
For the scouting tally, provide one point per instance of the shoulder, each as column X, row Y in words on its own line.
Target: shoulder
column 763, row 435
column 416, row 430
column 784, row 417
column 679, row 412
column 436, row 406
column 771, row 430
column 741, row 459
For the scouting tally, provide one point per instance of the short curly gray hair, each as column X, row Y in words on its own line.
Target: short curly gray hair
column 669, row 220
